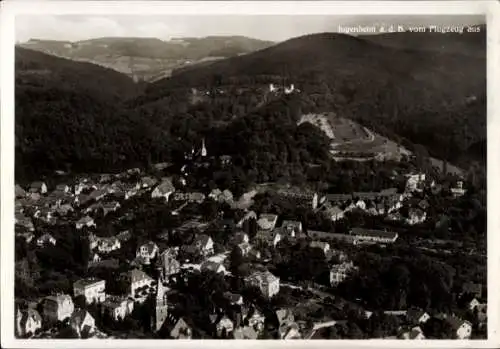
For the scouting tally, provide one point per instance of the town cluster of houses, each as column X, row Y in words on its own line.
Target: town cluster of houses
column 87, row 198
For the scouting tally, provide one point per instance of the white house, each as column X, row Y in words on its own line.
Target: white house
column 85, row 222
column 273, row 88
column 82, row 323
column 107, row 245
column 334, row 213
column 57, row 308
column 361, row 204
column 290, row 89
column 93, row 290
column 45, row 240
column 29, row 321
column 340, row 272
column 414, row 182
column 244, row 248
column 416, row 216
column 139, row 281
column 458, row 190
column 146, row 252
column 163, row 190
column 117, row 307
column 268, row 284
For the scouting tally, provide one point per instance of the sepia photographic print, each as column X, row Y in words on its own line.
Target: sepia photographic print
column 180, row 172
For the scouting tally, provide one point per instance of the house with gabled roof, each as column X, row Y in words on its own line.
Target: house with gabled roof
column 267, row 283
column 29, row 321
column 215, row 267
column 287, row 327
column 417, row 316
column 38, row 187
column 164, row 189
column 415, row 333
column 167, row 262
column 108, row 245
column 416, row 216
column 82, row 323
column 147, row 251
column 321, row 245
column 94, row 290
column 245, row 332
column 139, row 282
column 462, row 329
column 291, row 228
column 57, row 308
column 271, row 238
column 85, row 222
column 244, row 248
column 45, row 240
column 117, row 307
column 340, row 272
column 223, row 325
column 146, row 182
column 267, row 221
column 334, row 213
column 178, row 328
column 204, row 244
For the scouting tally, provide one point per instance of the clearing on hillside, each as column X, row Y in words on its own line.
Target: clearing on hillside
column 351, row 141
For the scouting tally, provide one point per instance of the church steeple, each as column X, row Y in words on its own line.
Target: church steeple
column 203, row 148
column 161, row 306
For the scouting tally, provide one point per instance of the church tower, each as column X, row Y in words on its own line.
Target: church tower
column 161, row 306
column 203, row 148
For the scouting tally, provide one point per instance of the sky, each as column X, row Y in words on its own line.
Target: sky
column 264, row 27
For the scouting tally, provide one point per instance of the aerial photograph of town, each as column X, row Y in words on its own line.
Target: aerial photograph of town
column 259, row 177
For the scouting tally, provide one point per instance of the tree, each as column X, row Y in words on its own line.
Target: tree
column 236, row 260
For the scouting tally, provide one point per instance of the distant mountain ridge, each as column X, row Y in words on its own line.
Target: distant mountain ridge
column 386, row 82
column 148, row 58
column 75, row 113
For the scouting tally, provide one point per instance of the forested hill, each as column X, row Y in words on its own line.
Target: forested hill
column 432, row 97
column 39, row 70
column 69, row 115
column 72, row 115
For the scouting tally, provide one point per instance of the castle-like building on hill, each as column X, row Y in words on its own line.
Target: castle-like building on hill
column 285, row 89
column 161, row 306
